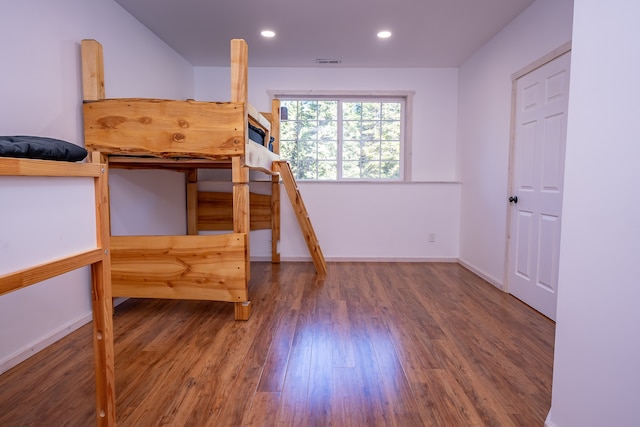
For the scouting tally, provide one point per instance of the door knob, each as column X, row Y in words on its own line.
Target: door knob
column 513, row 199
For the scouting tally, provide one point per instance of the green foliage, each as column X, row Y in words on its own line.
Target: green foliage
column 368, row 148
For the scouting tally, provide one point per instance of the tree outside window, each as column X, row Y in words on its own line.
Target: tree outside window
column 343, row 138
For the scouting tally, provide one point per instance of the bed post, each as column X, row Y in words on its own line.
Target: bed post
column 239, row 71
column 92, row 71
column 241, row 224
column 275, row 184
column 103, row 311
column 101, row 293
column 240, row 172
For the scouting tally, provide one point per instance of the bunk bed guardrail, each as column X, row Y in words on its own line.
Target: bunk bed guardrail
column 97, row 258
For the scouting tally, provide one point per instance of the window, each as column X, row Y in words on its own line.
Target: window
column 343, row 138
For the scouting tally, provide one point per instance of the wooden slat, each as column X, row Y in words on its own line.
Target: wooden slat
column 302, row 216
column 29, row 167
column 35, row 274
column 165, row 128
column 180, row 267
column 256, row 156
column 215, row 211
column 176, row 164
column 92, row 70
column 192, row 202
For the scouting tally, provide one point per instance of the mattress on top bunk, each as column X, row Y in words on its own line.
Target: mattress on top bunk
column 257, row 135
column 39, row 147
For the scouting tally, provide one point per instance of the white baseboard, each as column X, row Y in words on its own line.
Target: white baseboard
column 495, row 282
column 358, row 259
column 29, row 350
column 548, row 422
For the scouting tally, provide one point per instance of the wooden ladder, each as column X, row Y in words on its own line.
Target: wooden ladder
column 302, row 215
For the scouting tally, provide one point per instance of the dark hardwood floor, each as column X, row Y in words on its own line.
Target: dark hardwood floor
column 372, row 344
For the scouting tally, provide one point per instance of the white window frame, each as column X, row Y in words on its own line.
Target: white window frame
column 407, row 122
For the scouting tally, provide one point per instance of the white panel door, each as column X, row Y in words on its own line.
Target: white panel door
column 538, row 169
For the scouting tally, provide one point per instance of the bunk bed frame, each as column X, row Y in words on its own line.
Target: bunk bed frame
column 183, row 136
column 99, row 260
column 186, row 136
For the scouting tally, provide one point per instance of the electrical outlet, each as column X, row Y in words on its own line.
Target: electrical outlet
column 432, row 237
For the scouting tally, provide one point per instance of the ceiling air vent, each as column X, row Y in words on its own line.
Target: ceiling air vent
column 328, row 61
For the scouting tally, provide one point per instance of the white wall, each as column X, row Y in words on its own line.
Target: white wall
column 484, row 126
column 387, row 221
column 597, row 352
column 40, row 94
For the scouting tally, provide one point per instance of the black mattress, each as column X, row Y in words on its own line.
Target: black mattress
column 39, row 147
column 257, row 135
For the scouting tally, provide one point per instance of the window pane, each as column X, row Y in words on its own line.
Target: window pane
column 328, row 110
column 328, row 130
column 328, row 150
column 370, row 111
column 370, row 130
column 351, row 110
column 391, row 111
column 390, row 170
column 351, row 169
column 328, row 170
column 370, row 170
column 351, row 150
column 351, row 130
column 292, row 109
column 390, row 150
column 391, row 130
column 308, row 131
column 288, row 130
column 308, row 110
column 307, row 169
column 288, row 152
column 371, row 151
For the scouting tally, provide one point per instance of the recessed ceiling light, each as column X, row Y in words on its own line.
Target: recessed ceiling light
column 384, row 34
column 268, row 34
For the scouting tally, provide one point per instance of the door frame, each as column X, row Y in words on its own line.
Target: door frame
column 556, row 53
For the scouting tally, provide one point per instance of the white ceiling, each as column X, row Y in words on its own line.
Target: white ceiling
column 426, row 33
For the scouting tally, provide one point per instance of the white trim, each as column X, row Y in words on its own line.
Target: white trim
column 495, row 282
column 344, row 93
column 29, row 350
column 40, row 344
column 547, row 421
column 359, row 259
column 365, row 181
column 559, row 51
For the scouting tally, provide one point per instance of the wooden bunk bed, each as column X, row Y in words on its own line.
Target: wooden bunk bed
column 98, row 258
column 187, row 135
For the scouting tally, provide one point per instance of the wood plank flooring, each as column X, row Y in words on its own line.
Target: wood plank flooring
column 372, row 344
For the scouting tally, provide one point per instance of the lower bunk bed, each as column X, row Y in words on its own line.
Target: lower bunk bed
column 97, row 258
column 186, row 136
